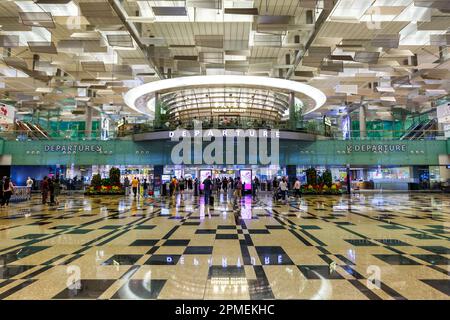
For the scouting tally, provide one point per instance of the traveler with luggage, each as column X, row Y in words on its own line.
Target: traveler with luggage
column 207, row 186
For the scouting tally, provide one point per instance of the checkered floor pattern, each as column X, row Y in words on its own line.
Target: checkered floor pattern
column 368, row 246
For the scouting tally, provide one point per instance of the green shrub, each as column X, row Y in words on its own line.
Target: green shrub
column 311, row 176
column 114, row 176
column 327, row 178
column 96, row 181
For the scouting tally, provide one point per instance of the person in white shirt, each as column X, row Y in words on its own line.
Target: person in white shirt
column 283, row 187
column 29, row 187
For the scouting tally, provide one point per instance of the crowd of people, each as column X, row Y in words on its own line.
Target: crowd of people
column 280, row 186
column 51, row 188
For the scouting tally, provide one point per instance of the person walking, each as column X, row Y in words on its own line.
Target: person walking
column 8, row 190
column 172, row 187
column 196, row 187
column 51, row 190
column 297, row 188
column 284, row 188
column 145, row 188
column 44, row 190
column 207, row 186
column 225, row 185
column 126, row 184
column 56, row 189
column 135, row 185
column 29, row 184
column 238, row 187
column 182, row 184
column 2, row 180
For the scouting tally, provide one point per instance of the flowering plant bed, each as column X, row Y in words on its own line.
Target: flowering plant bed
column 107, row 186
column 104, row 190
column 334, row 189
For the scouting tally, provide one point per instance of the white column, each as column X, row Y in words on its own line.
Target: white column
column 362, row 122
column 88, row 123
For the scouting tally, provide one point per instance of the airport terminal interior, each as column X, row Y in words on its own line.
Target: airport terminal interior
column 225, row 149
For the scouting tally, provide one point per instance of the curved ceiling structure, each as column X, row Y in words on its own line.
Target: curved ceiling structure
column 196, row 92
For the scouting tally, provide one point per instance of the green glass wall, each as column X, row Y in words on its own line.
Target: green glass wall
column 325, row 152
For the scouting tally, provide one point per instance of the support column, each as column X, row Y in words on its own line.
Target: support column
column 88, row 123
column 158, row 171
column 157, row 122
column 362, row 122
column 292, row 115
column 348, row 179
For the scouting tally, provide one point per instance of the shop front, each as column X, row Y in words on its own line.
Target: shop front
column 390, row 165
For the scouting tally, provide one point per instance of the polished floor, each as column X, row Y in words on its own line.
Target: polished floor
column 380, row 246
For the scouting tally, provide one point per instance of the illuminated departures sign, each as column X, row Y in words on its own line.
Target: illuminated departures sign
column 376, row 148
column 228, row 142
column 73, row 148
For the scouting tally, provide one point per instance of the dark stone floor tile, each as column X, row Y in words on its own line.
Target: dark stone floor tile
column 144, row 242
column 392, row 242
column 79, row 231
column 221, row 236
column 312, row 272
column 226, row 272
column 396, row 259
column 433, row 259
column 32, row 236
column 273, row 256
column 144, row 227
column 360, row 242
column 440, row 285
column 422, row 236
column 122, row 259
column 258, row 231
column 436, row 249
column 163, row 259
column 198, row 250
column 10, row 271
column 226, row 227
column 136, row 289
column 85, row 289
column 205, row 231
column 176, row 242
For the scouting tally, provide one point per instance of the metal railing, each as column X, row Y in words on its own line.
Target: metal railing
column 319, row 130
column 74, row 135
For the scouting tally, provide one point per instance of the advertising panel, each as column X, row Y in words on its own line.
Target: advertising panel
column 246, row 178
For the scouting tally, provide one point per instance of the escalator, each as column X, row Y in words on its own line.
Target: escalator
column 428, row 130
column 42, row 133
column 411, row 131
column 32, row 131
column 418, row 130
